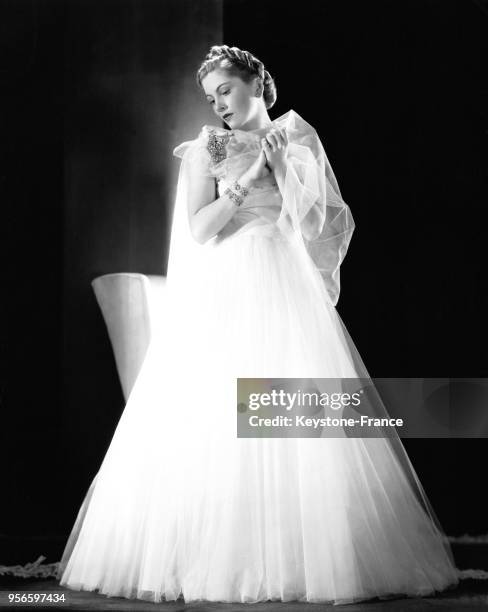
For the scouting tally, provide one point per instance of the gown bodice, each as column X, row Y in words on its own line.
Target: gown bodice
column 232, row 152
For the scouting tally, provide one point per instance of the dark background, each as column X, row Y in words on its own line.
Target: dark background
column 95, row 96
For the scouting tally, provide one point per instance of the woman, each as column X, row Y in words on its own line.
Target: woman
column 181, row 506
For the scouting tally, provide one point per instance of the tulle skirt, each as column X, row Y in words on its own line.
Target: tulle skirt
column 182, row 508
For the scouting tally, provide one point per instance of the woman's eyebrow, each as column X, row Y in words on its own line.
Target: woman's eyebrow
column 224, row 83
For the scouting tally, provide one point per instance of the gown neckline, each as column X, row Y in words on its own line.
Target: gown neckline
column 256, row 131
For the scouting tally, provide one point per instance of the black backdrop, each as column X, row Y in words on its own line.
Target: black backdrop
column 97, row 93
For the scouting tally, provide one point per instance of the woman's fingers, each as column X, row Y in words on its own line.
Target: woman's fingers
column 277, row 138
column 274, row 139
column 284, row 136
column 270, row 138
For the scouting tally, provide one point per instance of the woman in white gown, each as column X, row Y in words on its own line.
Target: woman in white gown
column 181, row 506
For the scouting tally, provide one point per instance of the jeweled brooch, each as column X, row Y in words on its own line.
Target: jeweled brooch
column 216, row 145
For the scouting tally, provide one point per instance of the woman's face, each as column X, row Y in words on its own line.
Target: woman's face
column 229, row 94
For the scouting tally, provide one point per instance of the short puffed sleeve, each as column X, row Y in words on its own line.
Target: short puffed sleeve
column 197, row 153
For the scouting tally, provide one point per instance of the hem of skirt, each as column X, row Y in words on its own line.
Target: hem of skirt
column 336, row 601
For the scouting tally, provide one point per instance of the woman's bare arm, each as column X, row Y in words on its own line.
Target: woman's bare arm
column 207, row 215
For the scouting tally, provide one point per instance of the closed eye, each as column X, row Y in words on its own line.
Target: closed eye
column 226, row 93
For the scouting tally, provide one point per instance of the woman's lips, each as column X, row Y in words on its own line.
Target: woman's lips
column 227, row 117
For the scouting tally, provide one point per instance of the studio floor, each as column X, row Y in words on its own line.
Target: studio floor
column 471, row 594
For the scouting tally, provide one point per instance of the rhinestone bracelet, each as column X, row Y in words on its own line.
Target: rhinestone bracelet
column 235, row 196
column 240, row 188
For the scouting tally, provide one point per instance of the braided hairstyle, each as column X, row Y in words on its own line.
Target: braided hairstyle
column 242, row 64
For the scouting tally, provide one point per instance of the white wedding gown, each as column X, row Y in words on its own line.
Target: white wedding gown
column 181, row 507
